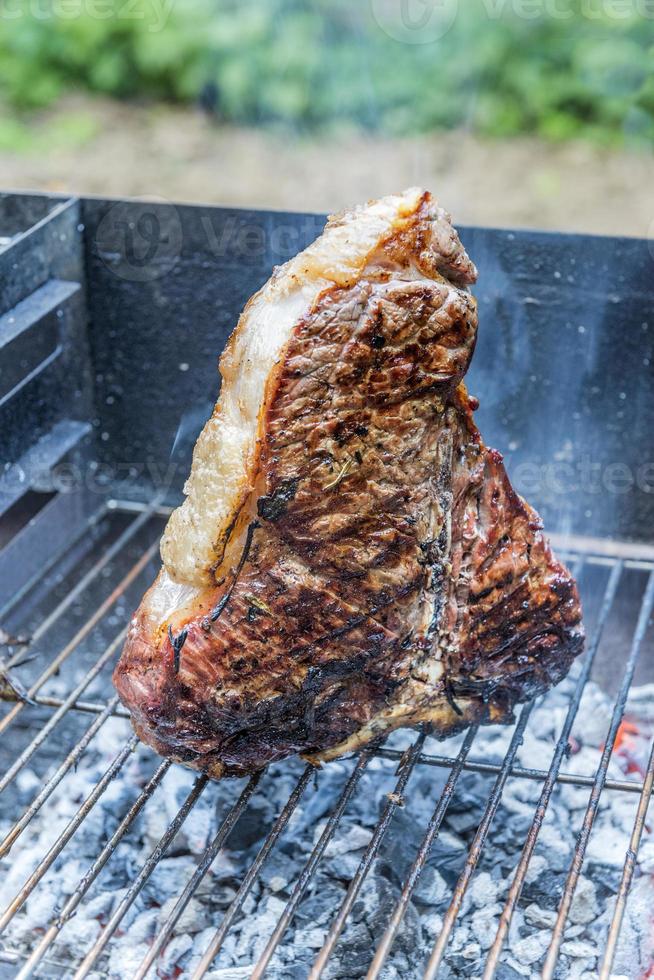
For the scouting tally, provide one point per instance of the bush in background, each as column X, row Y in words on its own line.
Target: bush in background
column 316, row 65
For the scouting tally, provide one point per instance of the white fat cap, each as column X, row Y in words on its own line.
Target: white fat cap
column 225, row 459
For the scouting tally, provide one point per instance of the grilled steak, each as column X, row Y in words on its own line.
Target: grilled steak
column 350, row 558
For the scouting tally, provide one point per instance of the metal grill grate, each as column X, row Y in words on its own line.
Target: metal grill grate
column 139, row 535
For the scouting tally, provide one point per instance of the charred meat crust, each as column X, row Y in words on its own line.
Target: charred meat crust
column 390, row 575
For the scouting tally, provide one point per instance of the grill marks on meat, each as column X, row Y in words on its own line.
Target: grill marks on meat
column 388, row 573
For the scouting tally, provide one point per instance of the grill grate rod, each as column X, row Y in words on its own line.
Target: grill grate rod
column 593, row 803
column 54, row 719
column 431, row 834
column 70, row 760
column 311, row 865
column 628, row 870
column 133, row 891
column 71, row 828
column 86, row 707
column 515, row 889
column 207, row 859
column 395, row 799
column 518, row 772
column 85, row 883
column 93, row 620
column 477, row 846
column 253, row 871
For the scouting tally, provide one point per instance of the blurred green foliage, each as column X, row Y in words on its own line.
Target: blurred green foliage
column 316, row 64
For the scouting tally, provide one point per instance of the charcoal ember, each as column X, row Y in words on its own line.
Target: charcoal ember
column 506, row 972
column 552, row 845
column 404, row 835
column 431, row 889
column 143, row 925
column 574, row 797
column 546, row 721
column 584, row 908
column 294, row 971
column 194, row 833
column 168, row 878
column 174, row 956
column 401, row 842
column 256, row 927
column 101, row 906
column 344, row 867
column 253, row 825
column 276, row 873
column 318, row 799
column 219, row 895
column 541, row 918
column 537, row 865
column 193, row 919
column 636, row 945
column 447, row 857
column 201, row 941
column 318, row 906
column 645, row 857
column 370, row 915
column 601, row 846
column 581, row 949
column 546, row 890
column 530, row 948
column 469, row 802
column 125, row 958
column 313, row 938
column 355, row 838
column 460, row 938
column 227, row 956
column 467, row 962
column 484, row 890
column 510, row 832
column 485, row 921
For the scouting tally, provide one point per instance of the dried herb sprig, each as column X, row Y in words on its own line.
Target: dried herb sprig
column 222, row 604
column 258, row 604
column 342, row 473
column 177, row 642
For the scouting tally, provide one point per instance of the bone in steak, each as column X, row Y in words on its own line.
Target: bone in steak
column 350, row 557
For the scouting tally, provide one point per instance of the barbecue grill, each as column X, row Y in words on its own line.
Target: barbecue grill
column 112, row 315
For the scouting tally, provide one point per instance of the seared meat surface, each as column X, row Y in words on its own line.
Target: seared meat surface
column 350, row 558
